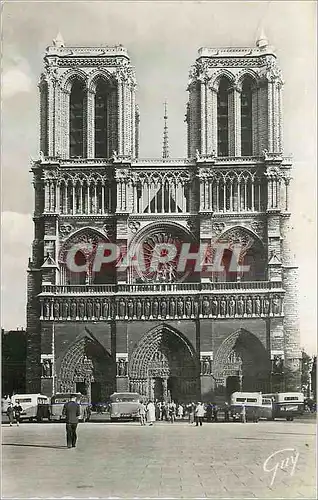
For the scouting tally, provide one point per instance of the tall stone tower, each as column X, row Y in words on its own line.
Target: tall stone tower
column 169, row 332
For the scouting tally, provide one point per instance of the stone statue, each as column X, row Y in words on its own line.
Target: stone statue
column 197, row 154
column 65, row 309
column 257, row 306
column 188, row 307
column 206, row 307
column 47, row 308
column 249, row 306
column 276, row 305
column 277, row 364
column 56, row 310
column 47, row 368
column 195, row 309
column 266, row 305
column 122, row 308
column 206, row 366
column 240, row 306
column 172, row 308
column 163, row 309
column 130, row 307
column 73, row 310
column 97, row 309
column 105, row 309
column 180, row 307
column 121, row 368
column 232, row 307
column 155, row 308
column 115, row 156
column 81, row 309
column 223, row 307
column 215, row 307
column 89, row 309
column 147, row 308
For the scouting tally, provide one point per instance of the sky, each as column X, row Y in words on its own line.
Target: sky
column 162, row 39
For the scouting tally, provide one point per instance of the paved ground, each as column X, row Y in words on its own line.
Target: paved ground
column 222, row 460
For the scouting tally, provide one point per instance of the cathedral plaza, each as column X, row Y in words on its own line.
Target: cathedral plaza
column 160, row 326
column 222, row 460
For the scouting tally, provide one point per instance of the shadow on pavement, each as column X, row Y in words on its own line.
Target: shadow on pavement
column 36, row 445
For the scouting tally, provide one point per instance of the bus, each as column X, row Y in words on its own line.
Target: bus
column 286, row 404
column 124, row 405
column 58, row 401
column 34, row 406
column 256, row 406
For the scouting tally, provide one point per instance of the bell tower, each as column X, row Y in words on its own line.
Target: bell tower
column 88, row 107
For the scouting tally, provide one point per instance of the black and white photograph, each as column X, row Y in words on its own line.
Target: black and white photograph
column 158, row 249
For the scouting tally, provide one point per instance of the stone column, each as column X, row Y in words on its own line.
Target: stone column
column 90, row 111
column 234, row 121
column 203, row 118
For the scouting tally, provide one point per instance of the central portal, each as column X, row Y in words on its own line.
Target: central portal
column 158, row 389
column 164, row 367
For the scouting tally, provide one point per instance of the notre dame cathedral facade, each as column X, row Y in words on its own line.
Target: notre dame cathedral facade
column 165, row 334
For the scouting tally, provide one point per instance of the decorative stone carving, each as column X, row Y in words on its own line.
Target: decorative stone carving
column 134, row 226
column 217, row 228
column 121, row 367
column 278, row 364
column 66, row 229
column 46, row 368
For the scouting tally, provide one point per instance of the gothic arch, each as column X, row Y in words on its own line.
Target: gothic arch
column 99, row 74
column 86, row 361
column 164, row 353
column 217, row 77
column 241, row 233
column 154, row 227
column 250, row 74
column 229, row 343
column 243, row 354
column 83, row 235
column 69, row 76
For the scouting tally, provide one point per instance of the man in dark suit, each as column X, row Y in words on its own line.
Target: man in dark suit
column 71, row 411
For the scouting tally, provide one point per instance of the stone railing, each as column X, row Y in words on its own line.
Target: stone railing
column 160, row 307
column 140, row 288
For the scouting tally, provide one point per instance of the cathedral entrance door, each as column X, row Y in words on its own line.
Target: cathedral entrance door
column 95, row 393
column 82, row 388
column 158, row 389
column 173, row 388
column 232, row 385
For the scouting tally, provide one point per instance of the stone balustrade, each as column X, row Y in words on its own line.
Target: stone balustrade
column 226, row 286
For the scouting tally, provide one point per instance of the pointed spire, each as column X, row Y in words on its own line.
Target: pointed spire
column 165, row 148
column 262, row 41
column 58, row 41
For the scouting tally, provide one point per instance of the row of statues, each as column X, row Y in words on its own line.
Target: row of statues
column 149, row 308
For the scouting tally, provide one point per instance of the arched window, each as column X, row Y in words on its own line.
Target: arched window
column 223, row 118
column 77, row 99
column 246, row 118
column 101, row 120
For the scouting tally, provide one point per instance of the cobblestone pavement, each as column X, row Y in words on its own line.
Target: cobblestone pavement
column 222, row 460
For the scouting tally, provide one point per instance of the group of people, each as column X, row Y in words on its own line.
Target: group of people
column 151, row 411
column 14, row 413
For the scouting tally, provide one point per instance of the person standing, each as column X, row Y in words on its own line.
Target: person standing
column 226, row 412
column 151, row 413
column 71, row 411
column 180, row 411
column 17, row 410
column 243, row 414
column 142, row 413
column 191, row 413
column 10, row 413
column 199, row 413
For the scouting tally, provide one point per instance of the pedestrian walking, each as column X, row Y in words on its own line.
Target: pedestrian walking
column 71, row 411
column 17, row 410
column 243, row 414
column 151, row 413
column 199, row 413
column 180, row 411
column 10, row 413
column 226, row 412
column 142, row 413
column 172, row 412
column 191, row 414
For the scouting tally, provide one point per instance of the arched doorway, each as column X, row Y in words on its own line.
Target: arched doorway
column 243, row 363
column 88, row 368
column 164, row 366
